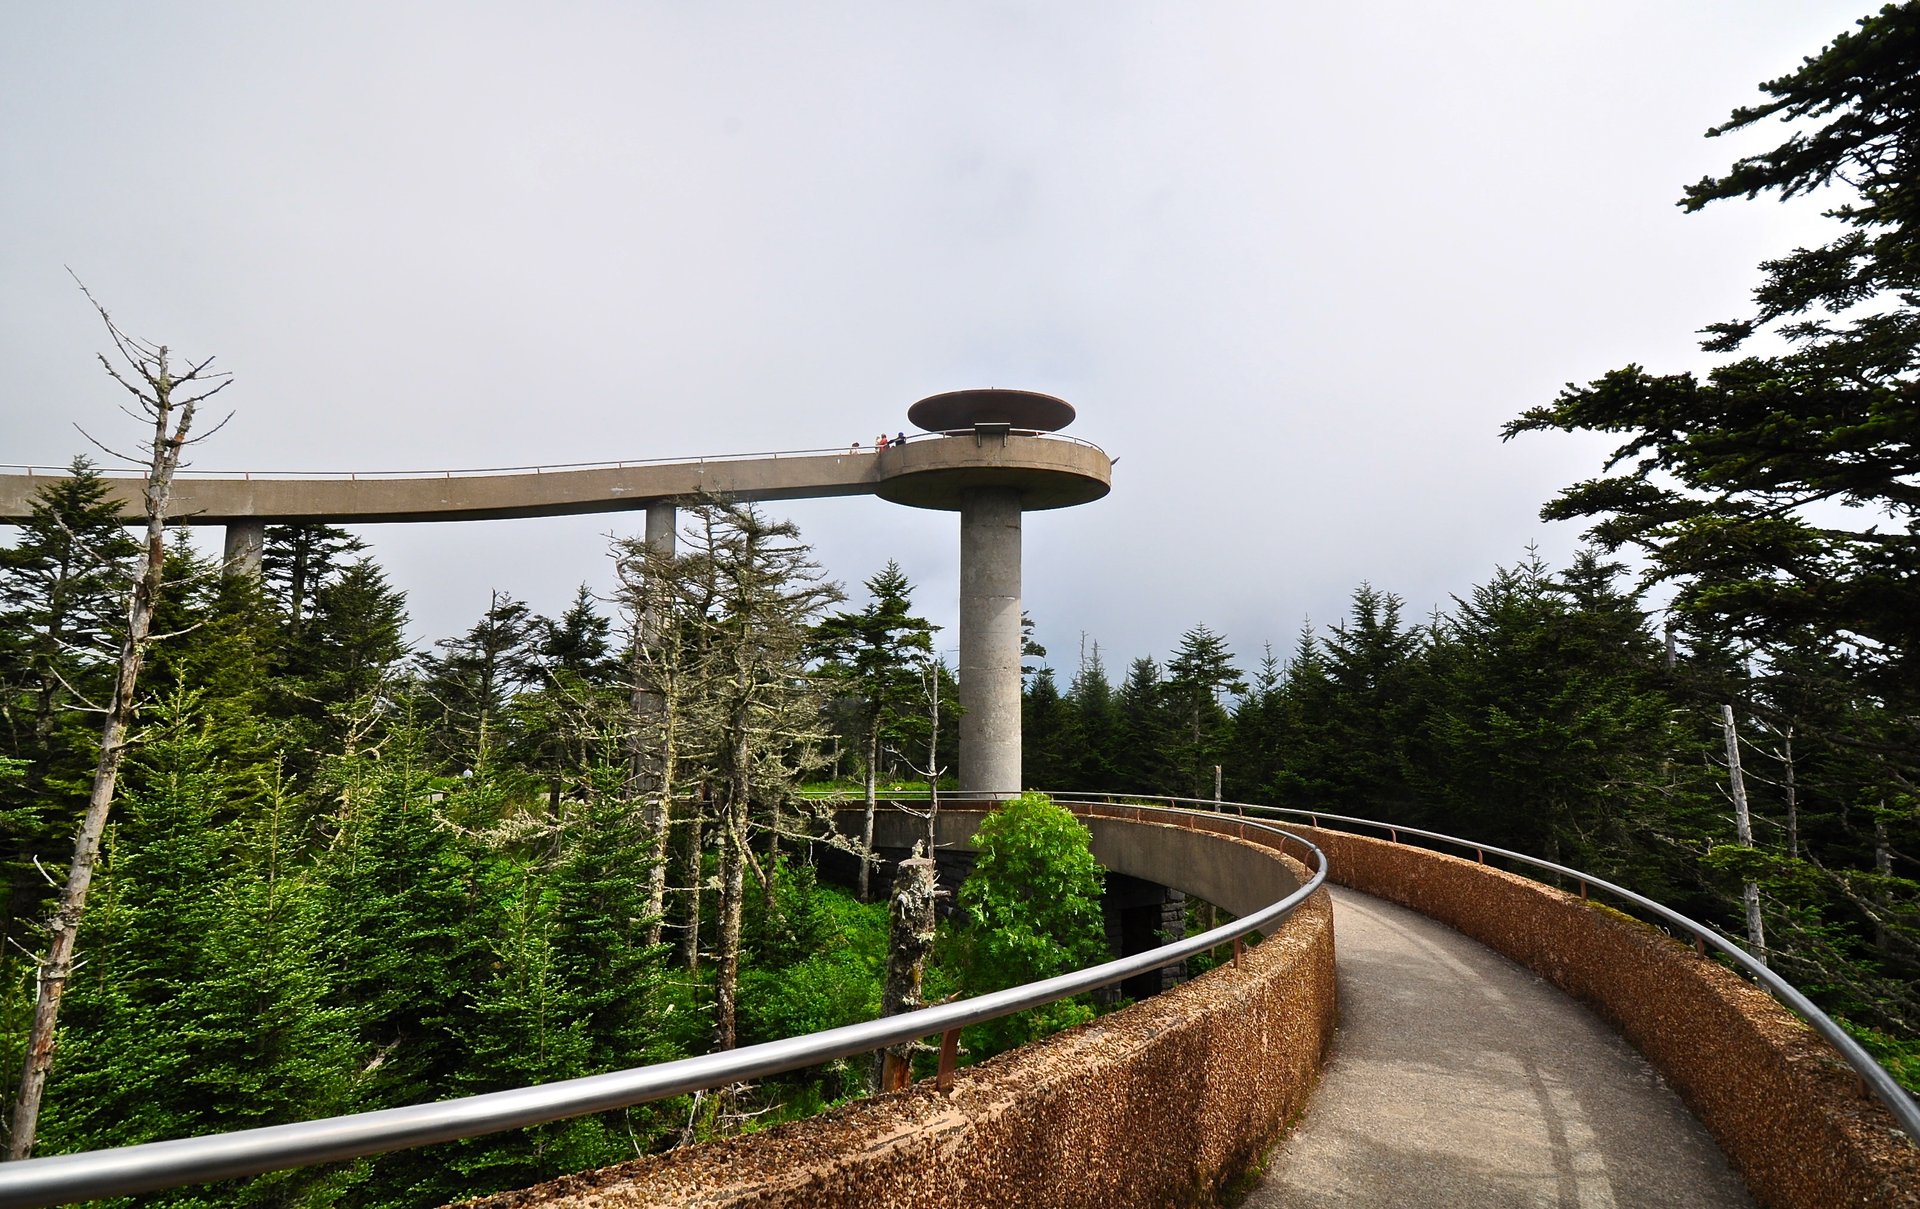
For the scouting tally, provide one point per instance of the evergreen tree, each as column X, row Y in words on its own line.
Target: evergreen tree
column 475, row 677
column 1725, row 483
column 1548, row 728
column 1721, row 472
column 522, row 1028
column 873, row 658
column 1358, row 694
column 1093, row 726
column 220, row 645
column 297, row 561
column 1144, row 733
column 580, row 644
column 409, row 930
column 63, row 594
column 1198, row 675
column 556, row 727
column 1258, row 736
column 203, row 1004
column 1046, row 760
column 602, row 927
column 355, row 638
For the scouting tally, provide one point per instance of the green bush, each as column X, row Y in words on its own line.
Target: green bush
column 1030, row 910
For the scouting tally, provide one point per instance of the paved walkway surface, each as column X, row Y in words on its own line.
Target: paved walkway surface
column 1458, row 1078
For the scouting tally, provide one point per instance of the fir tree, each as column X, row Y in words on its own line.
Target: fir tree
column 1198, row 675
column 1144, row 732
column 873, row 658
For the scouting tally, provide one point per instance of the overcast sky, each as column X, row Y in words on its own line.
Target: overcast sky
column 1295, row 264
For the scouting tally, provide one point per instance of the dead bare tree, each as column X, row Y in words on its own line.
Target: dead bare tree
column 168, row 399
column 651, row 581
column 909, row 940
column 1743, row 826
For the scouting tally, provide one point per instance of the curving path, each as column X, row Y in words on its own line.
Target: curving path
column 1458, row 1078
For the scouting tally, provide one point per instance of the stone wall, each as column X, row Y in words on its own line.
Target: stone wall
column 1791, row 1116
column 1162, row 1103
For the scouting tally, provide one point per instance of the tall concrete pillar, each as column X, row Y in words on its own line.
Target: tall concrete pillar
column 663, row 532
column 663, row 520
column 245, row 542
column 990, row 640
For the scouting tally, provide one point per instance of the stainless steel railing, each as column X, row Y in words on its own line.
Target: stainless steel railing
column 1876, row 1077
column 58, row 1179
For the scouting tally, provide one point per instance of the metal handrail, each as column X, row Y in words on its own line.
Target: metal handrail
column 1901, row 1103
column 545, row 468
column 57, row 1179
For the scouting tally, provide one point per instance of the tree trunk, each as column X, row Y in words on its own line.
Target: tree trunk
column 911, row 908
column 933, row 763
column 63, row 926
column 695, row 871
column 866, row 830
column 1743, row 827
column 733, row 885
column 1883, row 865
column 1793, row 796
column 733, row 868
column 657, row 818
column 655, row 720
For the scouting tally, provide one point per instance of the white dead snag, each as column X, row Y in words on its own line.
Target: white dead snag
column 911, row 907
column 865, row 888
column 150, row 377
column 1743, row 827
column 648, row 572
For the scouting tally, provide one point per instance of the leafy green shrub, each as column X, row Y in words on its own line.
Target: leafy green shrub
column 1030, row 910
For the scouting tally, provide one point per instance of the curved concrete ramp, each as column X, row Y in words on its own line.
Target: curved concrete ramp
column 1458, row 1078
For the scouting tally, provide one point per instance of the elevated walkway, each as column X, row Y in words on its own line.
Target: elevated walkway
column 1458, row 1078
column 930, row 471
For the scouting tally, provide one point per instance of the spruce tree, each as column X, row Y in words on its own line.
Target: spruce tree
column 1092, row 726
column 63, row 593
column 1046, row 762
column 1198, row 675
column 873, row 659
column 1144, row 733
column 1257, row 737
column 297, row 561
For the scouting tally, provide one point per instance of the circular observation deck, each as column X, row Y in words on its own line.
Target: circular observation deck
column 992, row 439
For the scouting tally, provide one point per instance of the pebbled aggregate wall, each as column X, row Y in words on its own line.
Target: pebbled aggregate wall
column 1789, row 1113
column 1163, row 1103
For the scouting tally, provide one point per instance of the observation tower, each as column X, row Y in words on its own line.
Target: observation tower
column 990, row 456
column 995, row 462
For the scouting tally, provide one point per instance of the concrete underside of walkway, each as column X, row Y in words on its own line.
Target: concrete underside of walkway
column 1458, row 1078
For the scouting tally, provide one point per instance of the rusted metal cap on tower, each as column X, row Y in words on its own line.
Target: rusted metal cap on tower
column 1027, row 410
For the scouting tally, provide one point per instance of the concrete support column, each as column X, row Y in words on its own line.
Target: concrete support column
column 990, row 641
column 663, row 520
column 663, row 527
column 245, row 542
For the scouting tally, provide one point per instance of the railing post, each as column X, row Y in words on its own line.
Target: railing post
column 949, row 1058
column 896, row 1073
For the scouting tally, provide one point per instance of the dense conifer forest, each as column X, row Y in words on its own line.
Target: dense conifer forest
column 343, row 875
